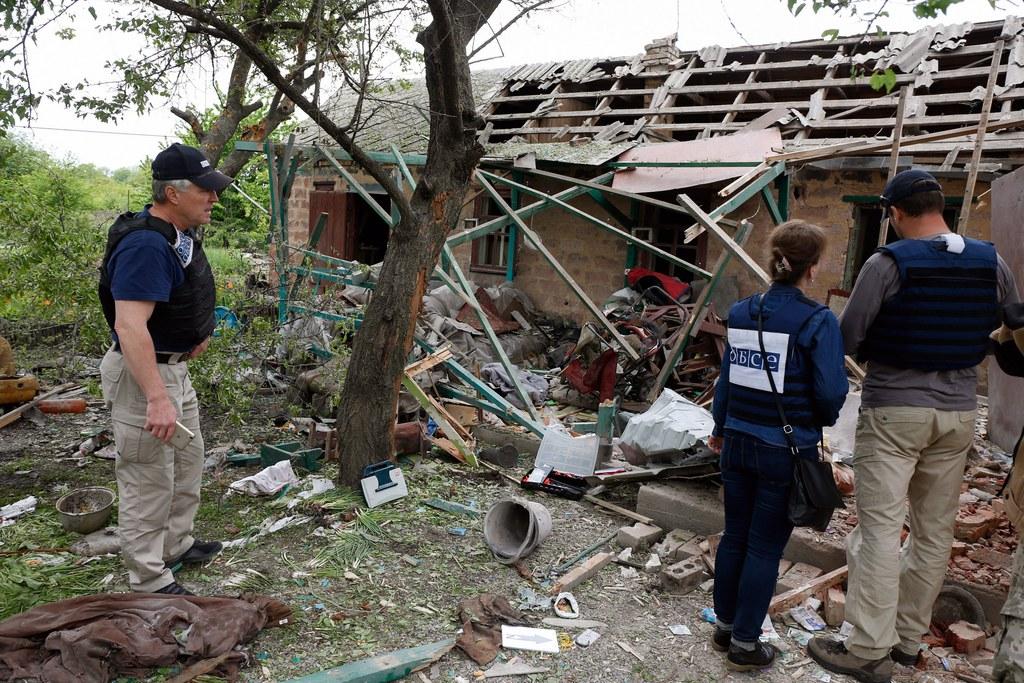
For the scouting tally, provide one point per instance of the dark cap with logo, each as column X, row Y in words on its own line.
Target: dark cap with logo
column 181, row 162
column 907, row 183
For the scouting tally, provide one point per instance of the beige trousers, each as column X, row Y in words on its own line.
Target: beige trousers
column 902, row 453
column 158, row 485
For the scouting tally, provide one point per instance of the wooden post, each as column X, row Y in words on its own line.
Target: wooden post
column 979, row 141
column 894, row 154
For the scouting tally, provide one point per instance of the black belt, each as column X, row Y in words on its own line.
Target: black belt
column 162, row 357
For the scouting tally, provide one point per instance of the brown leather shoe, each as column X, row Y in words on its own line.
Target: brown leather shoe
column 833, row 655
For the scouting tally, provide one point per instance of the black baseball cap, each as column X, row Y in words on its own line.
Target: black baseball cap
column 181, row 162
column 907, row 183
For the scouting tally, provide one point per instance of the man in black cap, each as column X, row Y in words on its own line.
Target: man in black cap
column 920, row 314
column 158, row 295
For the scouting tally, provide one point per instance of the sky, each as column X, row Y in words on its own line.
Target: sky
column 575, row 29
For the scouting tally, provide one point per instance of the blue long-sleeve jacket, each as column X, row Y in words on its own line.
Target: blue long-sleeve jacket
column 822, row 337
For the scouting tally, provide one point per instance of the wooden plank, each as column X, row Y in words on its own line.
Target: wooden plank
column 558, row 268
column 430, row 361
column 383, row 668
column 403, row 167
column 576, row 576
column 452, row 429
column 697, row 315
column 15, row 414
column 863, row 147
column 709, row 223
column 979, row 142
column 481, row 315
column 844, row 107
column 894, row 155
column 742, row 97
column 784, row 601
column 621, row 511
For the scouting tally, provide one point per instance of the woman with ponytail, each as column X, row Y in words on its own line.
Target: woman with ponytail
column 780, row 342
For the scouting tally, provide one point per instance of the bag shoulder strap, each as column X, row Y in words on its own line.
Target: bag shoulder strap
column 787, row 428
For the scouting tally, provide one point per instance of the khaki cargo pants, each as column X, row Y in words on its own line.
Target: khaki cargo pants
column 158, row 485
column 902, row 453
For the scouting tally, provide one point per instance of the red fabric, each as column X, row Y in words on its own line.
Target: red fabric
column 600, row 376
column 673, row 285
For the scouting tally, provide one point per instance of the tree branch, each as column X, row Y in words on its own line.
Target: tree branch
column 273, row 74
column 522, row 13
column 193, row 122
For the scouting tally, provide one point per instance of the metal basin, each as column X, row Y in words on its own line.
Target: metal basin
column 85, row 510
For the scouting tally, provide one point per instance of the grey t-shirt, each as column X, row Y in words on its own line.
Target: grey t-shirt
column 884, row 385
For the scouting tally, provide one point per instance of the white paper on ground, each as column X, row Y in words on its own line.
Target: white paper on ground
column 525, row 638
column 9, row 513
column 267, row 481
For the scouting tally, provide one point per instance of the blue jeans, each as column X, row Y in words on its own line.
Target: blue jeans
column 757, row 478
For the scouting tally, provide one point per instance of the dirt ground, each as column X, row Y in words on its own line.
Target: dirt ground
column 366, row 598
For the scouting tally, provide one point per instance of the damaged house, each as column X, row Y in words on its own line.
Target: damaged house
column 669, row 160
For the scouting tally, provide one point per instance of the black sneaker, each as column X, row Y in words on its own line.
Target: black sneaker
column 201, row 552
column 174, row 588
column 903, row 658
column 761, row 657
column 720, row 640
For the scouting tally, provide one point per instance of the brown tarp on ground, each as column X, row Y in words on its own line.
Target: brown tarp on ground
column 99, row 637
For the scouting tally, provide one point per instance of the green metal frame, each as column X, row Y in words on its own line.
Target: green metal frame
column 682, row 164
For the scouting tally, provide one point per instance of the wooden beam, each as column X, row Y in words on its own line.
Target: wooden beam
column 742, row 97
column 383, row 668
column 979, row 142
column 403, row 166
column 783, row 601
column 452, row 429
column 709, row 224
column 867, row 147
column 554, row 263
column 894, row 155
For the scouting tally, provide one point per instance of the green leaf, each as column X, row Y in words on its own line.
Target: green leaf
column 883, row 79
column 92, row 11
column 830, row 34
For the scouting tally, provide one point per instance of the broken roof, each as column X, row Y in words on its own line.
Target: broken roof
column 396, row 112
column 808, row 89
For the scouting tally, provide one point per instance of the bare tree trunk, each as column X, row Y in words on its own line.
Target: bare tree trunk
column 366, row 416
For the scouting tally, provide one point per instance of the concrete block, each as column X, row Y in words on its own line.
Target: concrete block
column 639, row 536
column 670, row 547
column 784, row 566
column 682, row 577
column 798, row 575
column 835, row 607
column 695, row 506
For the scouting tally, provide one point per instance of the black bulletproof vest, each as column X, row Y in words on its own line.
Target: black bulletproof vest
column 186, row 319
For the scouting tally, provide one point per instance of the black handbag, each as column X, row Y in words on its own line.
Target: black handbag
column 814, row 495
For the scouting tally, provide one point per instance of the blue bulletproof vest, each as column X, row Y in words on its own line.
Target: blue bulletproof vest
column 947, row 306
column 750, row 394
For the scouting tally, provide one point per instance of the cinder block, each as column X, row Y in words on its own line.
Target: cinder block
column 798, row 575
column 670, row 548
column 682, row 577
column 639, row 536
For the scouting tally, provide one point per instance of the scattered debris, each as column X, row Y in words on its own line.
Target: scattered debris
column 10, row 513
column 587, row 638
column 526, row 638
column 267, row 482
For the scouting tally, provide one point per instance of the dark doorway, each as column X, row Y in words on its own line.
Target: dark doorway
column 867, row 227
column 666, row 229
column 354, row 231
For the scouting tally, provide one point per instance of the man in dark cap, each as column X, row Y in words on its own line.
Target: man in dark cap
column 920, row 314
column 158, row 294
